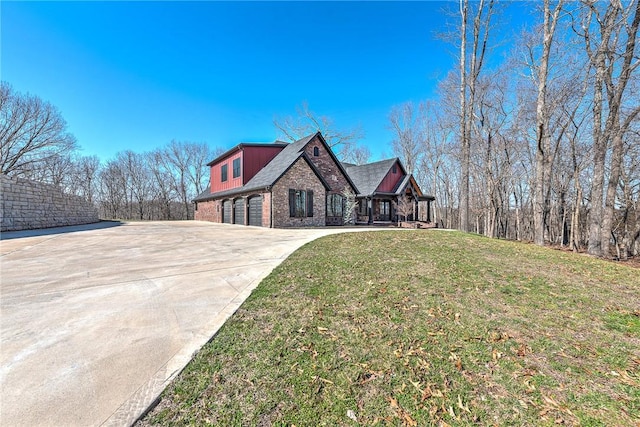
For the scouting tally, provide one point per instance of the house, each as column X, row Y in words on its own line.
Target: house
column 386, row 191
column 302, row 184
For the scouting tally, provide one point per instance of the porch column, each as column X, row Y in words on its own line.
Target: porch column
column 370, row 205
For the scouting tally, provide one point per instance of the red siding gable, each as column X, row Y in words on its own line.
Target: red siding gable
column 391, row 180
column 252, row 159
column 216, row 173
column 255, row 158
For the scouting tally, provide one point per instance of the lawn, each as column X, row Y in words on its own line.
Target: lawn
column 422, row 328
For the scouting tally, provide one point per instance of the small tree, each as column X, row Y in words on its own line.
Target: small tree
column 404, row 207
column 350, row 205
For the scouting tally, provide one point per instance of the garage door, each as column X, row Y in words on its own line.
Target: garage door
column 226, row 211
column 238, row 207
column 255, row 211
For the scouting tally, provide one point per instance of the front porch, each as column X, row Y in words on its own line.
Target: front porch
column 391, row 210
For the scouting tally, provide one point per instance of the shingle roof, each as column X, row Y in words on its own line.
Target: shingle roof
column 368, row 177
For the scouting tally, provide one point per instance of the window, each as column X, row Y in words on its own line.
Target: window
column 334, row 205
column 300, row 203
column 316, row 151
column 385, row 208
column 236, row 167
column 223, row 173
column 394, row 169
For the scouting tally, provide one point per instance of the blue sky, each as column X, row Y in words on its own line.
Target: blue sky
column 135, row 75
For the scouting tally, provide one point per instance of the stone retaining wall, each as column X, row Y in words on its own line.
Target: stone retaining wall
column 28, row 205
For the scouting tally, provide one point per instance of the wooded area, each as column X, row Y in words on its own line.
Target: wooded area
column 538, row 140
column 544, row 145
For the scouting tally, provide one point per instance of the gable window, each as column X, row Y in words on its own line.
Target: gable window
column 236, row 167
column 300, row 203
column 316, row 151
column 394, row 169
column 223, row 173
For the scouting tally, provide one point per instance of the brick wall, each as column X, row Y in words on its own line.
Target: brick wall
column 29, row 205
column 298, row 177
column 327, row 166
column 266, row 209
column 210, row 210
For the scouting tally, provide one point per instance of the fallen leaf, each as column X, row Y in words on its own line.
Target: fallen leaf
column 416, row 385
column 408, row 420
column 462, row 406
column 426, row 393
column 322, row 379
column 452, row 413
column 393, row 402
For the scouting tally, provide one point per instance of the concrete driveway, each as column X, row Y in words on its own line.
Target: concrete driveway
column 96, row 320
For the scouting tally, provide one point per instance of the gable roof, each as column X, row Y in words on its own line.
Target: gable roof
column 410, row 180
column 368, row 177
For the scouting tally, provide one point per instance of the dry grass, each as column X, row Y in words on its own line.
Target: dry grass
column 422, row 328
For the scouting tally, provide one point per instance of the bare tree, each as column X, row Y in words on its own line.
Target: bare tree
column 404, row 208
column 32, row 131
column 112, row 191
column 342, row 141
column 406, row 122
column 186, row 163
column 469, row 73
column 543, row 140
column 360, row 155
column 609, row 32
column 350, row 206
column 54, row 169
column 164, row 188
column 85, row 177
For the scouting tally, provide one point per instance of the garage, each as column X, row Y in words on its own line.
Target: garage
column 255, row 211
column 226, row 211
column 238, row 214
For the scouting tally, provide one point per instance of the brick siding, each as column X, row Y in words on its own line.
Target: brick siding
column 299, row 177
column 327, row 166
column 211, row 210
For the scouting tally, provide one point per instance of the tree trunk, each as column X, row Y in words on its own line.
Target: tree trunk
column 543, row 142
column 465, row 155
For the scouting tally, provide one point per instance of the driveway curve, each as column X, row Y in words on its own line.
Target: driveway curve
column 95, row 321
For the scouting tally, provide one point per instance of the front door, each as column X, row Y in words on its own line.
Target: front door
column 385, row 210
